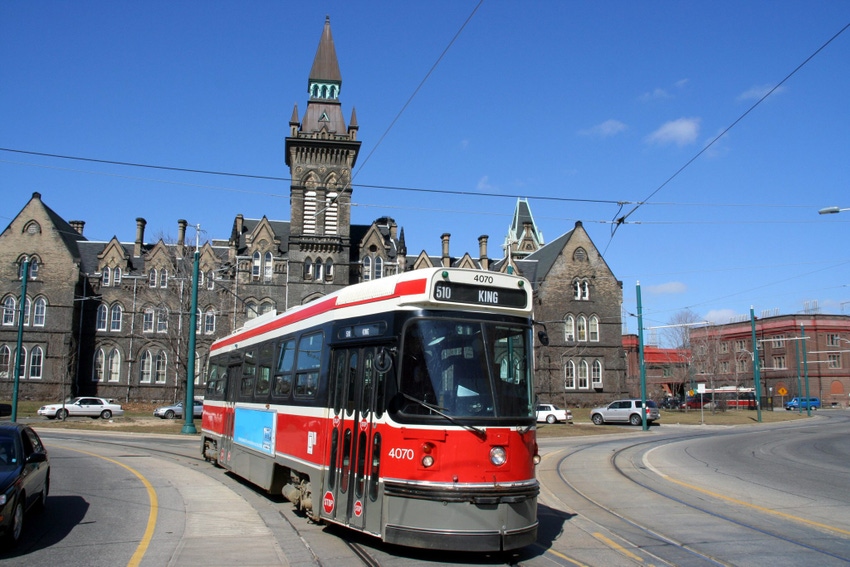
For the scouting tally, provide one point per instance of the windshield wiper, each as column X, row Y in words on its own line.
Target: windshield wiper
column 441, row 411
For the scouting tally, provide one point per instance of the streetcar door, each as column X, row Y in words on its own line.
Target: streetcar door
column 354, row 445
column 234, row 378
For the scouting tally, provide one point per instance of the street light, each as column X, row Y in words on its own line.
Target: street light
column 832, row 210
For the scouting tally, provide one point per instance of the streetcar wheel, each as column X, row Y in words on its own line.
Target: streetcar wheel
column 106, row 414
column 597, row 419
column 550, row 419
column 635, row 419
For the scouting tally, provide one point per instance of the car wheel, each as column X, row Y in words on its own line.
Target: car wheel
column 597, row 419
column 636, row 419
column 61, row 413
column 17, row 521
column 550, row 419
column 169, row 414
column 106, row 414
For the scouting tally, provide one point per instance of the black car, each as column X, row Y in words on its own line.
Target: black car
column 24, row 477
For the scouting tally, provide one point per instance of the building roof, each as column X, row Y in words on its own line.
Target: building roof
column 325, row 65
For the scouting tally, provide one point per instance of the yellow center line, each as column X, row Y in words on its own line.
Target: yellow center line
column 751, row 506
column 617, row 547
column 136, row 559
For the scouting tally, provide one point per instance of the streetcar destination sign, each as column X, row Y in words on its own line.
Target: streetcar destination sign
column 478, row 295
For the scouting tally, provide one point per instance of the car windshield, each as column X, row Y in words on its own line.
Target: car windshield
column 465, row 369
column 9, row 451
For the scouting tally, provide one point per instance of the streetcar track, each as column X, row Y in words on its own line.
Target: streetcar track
column 619, row 454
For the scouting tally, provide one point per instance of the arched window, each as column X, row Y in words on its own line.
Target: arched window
column 116, row 277
column 27, row 310
column 582, row 375
column 145, row 367
column 594, row 329
column 576, row 289
column 268, row 267
column 105, row 276
column 318, row 269
column 115, row 318
column 33, row 270
column 163, row 278
column 9, row 304
column 329, row 269
column 367, row 268
column 147, row 320
column 308, row 268
column 5, row 362
column 22, row 365
column 209, row 322
column 152, row 279
column 585, row 290
column 102, row 316
column 36, row 362
column 379, row 267
column 162, row 320
column 40, row 313
column 309, row 212
column 211, row 280
column 99, row 362
column 570, row 375
column 569, row 328
column 582, row 328
column 256, row 266
column 161, row 367
column 114, row 366
column 596, row 373
column 251, row 309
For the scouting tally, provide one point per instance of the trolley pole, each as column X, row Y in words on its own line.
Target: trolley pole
column 806, row 372
column 189, row 404
column 25, row 271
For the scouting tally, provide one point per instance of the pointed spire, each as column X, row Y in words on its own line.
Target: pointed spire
column 325, row 79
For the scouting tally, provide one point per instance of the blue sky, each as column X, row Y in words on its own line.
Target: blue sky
column 575, row 105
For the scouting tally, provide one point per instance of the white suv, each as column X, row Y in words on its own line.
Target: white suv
column 625, row 411
column 550, row 413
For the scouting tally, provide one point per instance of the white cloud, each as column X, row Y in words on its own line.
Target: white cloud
column 680, row 84
column 720, row 316
column 655, row 94
column 668, row 288
column 464, row 144
column 757, row 92
column 606, row 129
column 680, row 132
column 484, row 184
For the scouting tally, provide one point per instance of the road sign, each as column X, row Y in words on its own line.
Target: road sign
column 782, row 391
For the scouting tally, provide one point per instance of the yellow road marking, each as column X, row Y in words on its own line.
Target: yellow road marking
column 561, row 555
column 751, row 506
column 136, row 559
column 616, row 546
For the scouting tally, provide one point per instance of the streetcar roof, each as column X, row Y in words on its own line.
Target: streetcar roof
column 414, row 288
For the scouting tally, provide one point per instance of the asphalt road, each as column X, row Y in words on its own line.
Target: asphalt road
column 674, row 495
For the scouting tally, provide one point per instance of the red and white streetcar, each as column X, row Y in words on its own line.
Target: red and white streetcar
column 400, row 407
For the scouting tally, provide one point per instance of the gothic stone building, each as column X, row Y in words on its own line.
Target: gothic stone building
column 111, row 318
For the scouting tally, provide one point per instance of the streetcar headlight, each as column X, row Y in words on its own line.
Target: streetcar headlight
column 427, row 461
column 427, row 458
column 498, row 456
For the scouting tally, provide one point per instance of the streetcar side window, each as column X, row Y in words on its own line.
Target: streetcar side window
column 216, row 380
column 307, row 365
column 283, row 372
column 249, row 374
column 263, row 384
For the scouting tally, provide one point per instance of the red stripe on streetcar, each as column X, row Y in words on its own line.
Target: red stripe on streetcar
column 412, row 287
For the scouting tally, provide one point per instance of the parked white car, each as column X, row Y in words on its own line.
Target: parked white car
column 176, row 410
column 550, row 413
column 90, row 407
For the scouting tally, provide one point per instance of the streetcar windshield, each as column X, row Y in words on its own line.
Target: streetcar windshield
column 465, row 369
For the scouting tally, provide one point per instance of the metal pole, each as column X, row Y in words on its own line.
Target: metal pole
column 806, row 373
column 189, row 404
column 642, row 360
column 756, row 364
column 24, row 277
column 799, row 387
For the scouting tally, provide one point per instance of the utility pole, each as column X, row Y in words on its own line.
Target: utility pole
column 189, row 403
column 25, row 274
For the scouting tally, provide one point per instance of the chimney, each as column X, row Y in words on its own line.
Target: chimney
column 447, row 262
column 181, row 232
column 393, row 230
column 482, row 252
column 140, row 236
column 77, row 225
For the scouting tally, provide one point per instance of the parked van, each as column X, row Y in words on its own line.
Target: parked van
column 802, row 403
